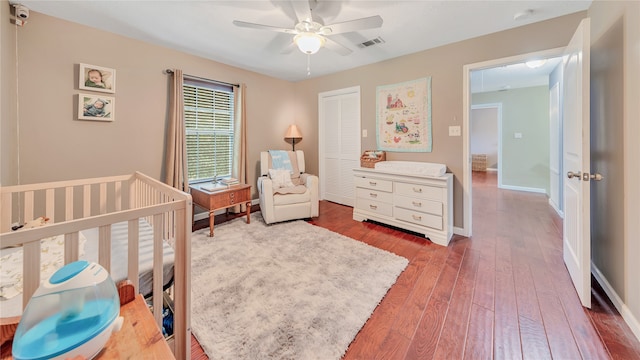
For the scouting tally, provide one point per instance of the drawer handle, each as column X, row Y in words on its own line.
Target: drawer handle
column 418, row 204
column 373, row 183
column 232, row 195
column 373, row 195
column 418, row 190
column 373, row 207
column 416, row 217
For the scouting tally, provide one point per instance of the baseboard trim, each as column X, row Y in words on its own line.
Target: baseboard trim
column 558, row 211
column 460, row 231
column 523, row 188
column 205, row 214
column 622, row 308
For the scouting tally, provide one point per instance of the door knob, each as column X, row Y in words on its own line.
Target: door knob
column 571, row 174
column 594, row 176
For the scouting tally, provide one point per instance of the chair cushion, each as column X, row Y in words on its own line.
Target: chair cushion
column 281, row 178
column 287, row 199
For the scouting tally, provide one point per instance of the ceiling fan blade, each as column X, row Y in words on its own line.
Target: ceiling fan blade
column 302, row 9
column 339, row 48
column 263, row 27
column 353, row 25
column 287, row 50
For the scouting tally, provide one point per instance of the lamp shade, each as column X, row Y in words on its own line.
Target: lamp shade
column 293, row 133
column 309, row 43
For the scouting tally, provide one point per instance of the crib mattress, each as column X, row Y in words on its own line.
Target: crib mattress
column 119, row 261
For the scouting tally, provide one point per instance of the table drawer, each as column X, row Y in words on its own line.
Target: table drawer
column 377, row 207
column 420, row 191
column 374, row 184
column 418, row 204
column 230, row 198
column 420, row 218
column 376, row 195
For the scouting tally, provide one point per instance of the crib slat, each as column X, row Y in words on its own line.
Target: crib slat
column 68, row 203
column 28, row 206
column 86, row 201
column 134, row 239
column 50, row 198
column 30, row 270
column 5, row 212
column 118, row 195
column 104, row 247
column 71, row 248
column 157, row 269
column 103, row 198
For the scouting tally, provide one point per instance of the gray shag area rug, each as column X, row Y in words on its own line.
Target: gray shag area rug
column 284, row 291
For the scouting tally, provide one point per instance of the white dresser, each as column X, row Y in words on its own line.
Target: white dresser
column 418, row 203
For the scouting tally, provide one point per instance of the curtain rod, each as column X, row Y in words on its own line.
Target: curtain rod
column 170, row 71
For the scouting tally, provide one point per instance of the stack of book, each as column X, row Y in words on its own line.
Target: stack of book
column 230, row 181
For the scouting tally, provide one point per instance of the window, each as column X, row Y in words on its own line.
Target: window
column 208, row 115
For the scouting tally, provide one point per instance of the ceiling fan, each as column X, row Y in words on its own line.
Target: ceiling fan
column 310, row 34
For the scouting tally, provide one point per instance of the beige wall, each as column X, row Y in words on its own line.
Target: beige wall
column 444, row 64
column 55, row 146
column 525, row 161
column 615, row 128
column 8, row 131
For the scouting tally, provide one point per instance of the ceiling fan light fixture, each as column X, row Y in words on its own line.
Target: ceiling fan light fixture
column 308, row 42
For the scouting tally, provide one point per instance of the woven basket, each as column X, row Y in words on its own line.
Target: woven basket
column 479, row 162
column 367, row 161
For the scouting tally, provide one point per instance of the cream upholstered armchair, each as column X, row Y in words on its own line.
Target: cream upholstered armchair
column 281, row 200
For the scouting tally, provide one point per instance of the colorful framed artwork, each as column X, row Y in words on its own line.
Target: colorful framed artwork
column 403, row 116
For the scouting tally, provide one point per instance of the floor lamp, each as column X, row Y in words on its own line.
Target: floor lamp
column 294, row 134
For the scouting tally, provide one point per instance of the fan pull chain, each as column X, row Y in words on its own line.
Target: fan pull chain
column 308, row 65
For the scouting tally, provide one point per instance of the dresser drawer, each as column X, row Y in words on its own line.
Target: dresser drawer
column 420, row 191
column 376, row 207
column 420, row 218
column 375, row 184
column 376, row 195
column 418, row 204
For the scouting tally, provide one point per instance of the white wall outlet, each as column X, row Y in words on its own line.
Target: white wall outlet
column 364, row 133
column 455, row 130
column 517, row 135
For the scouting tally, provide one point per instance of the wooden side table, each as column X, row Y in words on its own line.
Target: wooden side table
column 139, row 336
column 221, row 197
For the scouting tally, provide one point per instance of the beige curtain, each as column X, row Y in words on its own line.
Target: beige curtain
column 239, row 170
column 176, row 160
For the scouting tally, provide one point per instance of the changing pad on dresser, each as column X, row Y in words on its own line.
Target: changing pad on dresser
column 412, row 168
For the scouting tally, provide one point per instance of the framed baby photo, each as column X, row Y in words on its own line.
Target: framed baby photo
column 97, row 78
column 96, row 107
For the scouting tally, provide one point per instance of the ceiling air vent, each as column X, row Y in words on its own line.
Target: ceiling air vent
column 371, row 42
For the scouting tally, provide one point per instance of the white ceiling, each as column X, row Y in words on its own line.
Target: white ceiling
column 205, row 28
column 512, row 76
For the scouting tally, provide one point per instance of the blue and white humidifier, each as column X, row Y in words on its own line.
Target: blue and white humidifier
column 71, row 314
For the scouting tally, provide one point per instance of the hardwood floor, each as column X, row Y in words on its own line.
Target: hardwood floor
column 504, row 293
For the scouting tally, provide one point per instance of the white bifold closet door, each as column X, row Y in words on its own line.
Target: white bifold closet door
column 339, row 140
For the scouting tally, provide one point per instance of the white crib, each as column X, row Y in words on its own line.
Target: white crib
column 84, row 205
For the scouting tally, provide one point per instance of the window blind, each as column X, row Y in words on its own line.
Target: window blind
column 208, row 114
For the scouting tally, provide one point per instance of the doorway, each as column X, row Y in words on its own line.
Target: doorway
column 510, row 137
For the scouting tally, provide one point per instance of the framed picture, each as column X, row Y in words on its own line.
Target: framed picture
column 97, row 78
column 96, row 107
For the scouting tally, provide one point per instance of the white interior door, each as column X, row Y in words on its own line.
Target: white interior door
column 576, row 158
column 339, row 128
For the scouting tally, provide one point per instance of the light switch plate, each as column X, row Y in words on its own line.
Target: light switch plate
column 517, row 135
column 364, row 133
column 454, row 130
